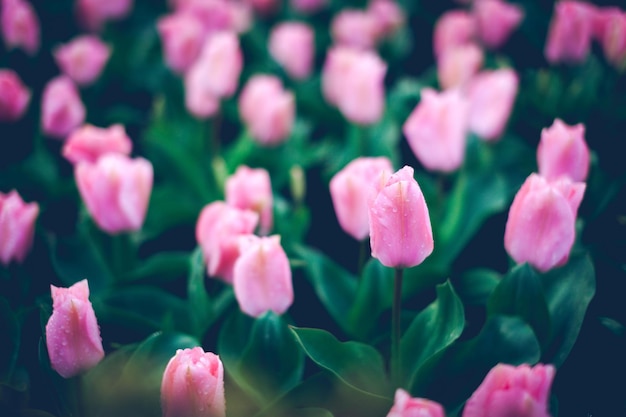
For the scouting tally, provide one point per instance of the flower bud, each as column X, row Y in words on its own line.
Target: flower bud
column 62, row 110
column 570, row 32
column 14, row 96
column 406, row 406
column 563, row 151
column 116, row 191
column 182, row 36
column 454, row 28
column 388, row 14
column 93, row 14
column 262, row 276
column 19, row 25
column 495, row 21
column 82, row 59
column 541, row 227
column 221, row 61
column 88, row 143
column 509, row 390
column 251, row 189
column 457, row 65
column 400, row 232
column 292, row 45
column 72, row 332
column 356, row 29
column 611, row 32
column 17, row 227
column 352, row 189
column 193, row 385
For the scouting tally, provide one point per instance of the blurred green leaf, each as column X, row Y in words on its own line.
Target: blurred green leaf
column 170, row 206
column 160, row 267
column 199, row 302
column 476, row 285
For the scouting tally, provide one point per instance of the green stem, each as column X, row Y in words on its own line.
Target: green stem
column 396, row 360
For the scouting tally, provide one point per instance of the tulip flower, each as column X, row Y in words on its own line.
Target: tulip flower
column 14, row 96
column 193, row 385
column 182, row 36
column 308, row 6
column 454, row 28
column 62, row 109
column 406, row 406
column 17, row 227
column 570, row 32
column 352, row 189
column 611, row 33
column 355, row 28
column 563, row 151
column 83, row 58
column 88, row 143
column 116, row 191
column 19, row 25
column 457, row 65
column 495, row 21
column 540, row 229
column 292, row 45
column 262, row 276
column 72, row 332
column 251, row 189
column 93, row 14
column 388, row 14
column 507, row 390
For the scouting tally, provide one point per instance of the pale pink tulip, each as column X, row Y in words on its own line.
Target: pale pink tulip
column 541, row 227
column 267, row 109
column 457, row 65
column 400, row 232
column 570, row 32
column 116, row 191
column 355, row 28
column 492, row 96
column 93, row 14
column 88, row 143
column 218, row 229
column 454, row 28
column 19, row 25
column 14, row 96
column 262, row 276
column 72, row 332
column 563, row 151
column 495, row 21
column 292, row 45
column 193, row 385
column 200, row 100
column 83, row 58
column 251, row 189
column 182, row 36
column 17, row 227
column 352, row 189
column 406, row 406
column 62, row 109
column 221, row 62
column 507, row 390
column 437, row 128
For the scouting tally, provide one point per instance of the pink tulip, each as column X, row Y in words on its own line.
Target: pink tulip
column 292, row 45
column 267, row 109
column 400, row 232
column 182, row 36
column 454, row 28
column 20, row 25
column 216, row 15
column 437, row 128
column 116, row 191
column 570, row 32
column 14, row 96
column 492, row 96
column 563, row 151
column 495, row 21
column 88, row 143
column 200, row 100
column 540, row 229
column 457, row 65
column 611, row 28
column 388, row 14
column 264, row 6
column 355, row 28
column 193, row 385
column 308, row 6
column 83, row 58
column 352, row 189
column 93, row 14
column 221, row 61
column 508, row 390
column 62, row 110
column 406, row 406
column 72, row 332
column 17, row 227
column 251, row 189
column 218, row 229
column 262, row 276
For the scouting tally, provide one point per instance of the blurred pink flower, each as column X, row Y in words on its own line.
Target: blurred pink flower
column 454, row 28
column 308, row 6
column 355, row 28
column 457, row 65
column 570, row 32
column 14, row 96
column 82, row 59
column 610, row 31
column 292, row 45
column 495, row 21
column 88, row 143
column 20, row 25
column 17, row 227
column 62, row 109
column 563, row 151
column 406, row 406
column 93, row 14
column 388, row 14
column 182, row 36
column 251, row 189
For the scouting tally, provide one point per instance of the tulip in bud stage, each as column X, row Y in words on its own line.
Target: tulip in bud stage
column 62, row 110
column 17, row 227
column 251, row 189
column 406, row 406
column 83, row 59
column 563, row 151
column 88, row 143
column 14, row 96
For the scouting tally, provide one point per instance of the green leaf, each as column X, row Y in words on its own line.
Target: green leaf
column 199, row 303
column 170, row 205
column 476, row 285
column 432, row 330
column 9, row 348
column 359, row 365
column 163, row 266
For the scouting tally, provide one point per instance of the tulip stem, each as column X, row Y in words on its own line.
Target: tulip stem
column 396, row 360
column 363, row 244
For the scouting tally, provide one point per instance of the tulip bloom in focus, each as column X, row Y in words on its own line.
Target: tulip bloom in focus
column 563, row 151
column 17, row 227
column 72, row 333
column 193, row 385
column 400, row 232
column 251, row 189
column 406, row 406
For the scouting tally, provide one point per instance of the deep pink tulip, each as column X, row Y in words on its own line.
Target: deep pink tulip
column 88, row 143
column 62, row 109
column 492, row 96
column 83, row 58
column 116, row 191
column 262, row 276
column 14, row 96
column 308, row 6
column 406, row 406
column 267, row 109
column 495, row 21
column 454, row 28
column 611, row 33
column 218, row 15
column 457, row 65
column 388, row 14
column 541, row 227
column 400, row 232
column 72, row 332
column 193, row 385
column 292, row 45
column 93, row 14
column 19, row 25
column 251, row 189
column 507, row 390
column 218, row 230
column 355, row 28
column 437, row 128
column 17, row 227
column 570, row 32
column 182, row 36
column 352, row 190
column 563, row 151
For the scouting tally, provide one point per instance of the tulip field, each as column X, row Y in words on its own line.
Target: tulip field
column 312, row 208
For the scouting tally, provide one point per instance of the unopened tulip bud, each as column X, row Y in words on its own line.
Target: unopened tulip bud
column 611, row 33
column 356, row 29
column 62, row 109
column 14, row 96
column 83, row 58
column 563, row 151
column 17, row 227
column 400, row 232
column 570, row 32
column 19, row 25
column 93, row 14
column 406, row 406
column 457, row 65
column 72, row 332
column 388, row 14
column 292, row 45
column 88, row 143
column 251, row 189
column 454, row 28
column 182, row 36
column 222, row 61
column 496, row 20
